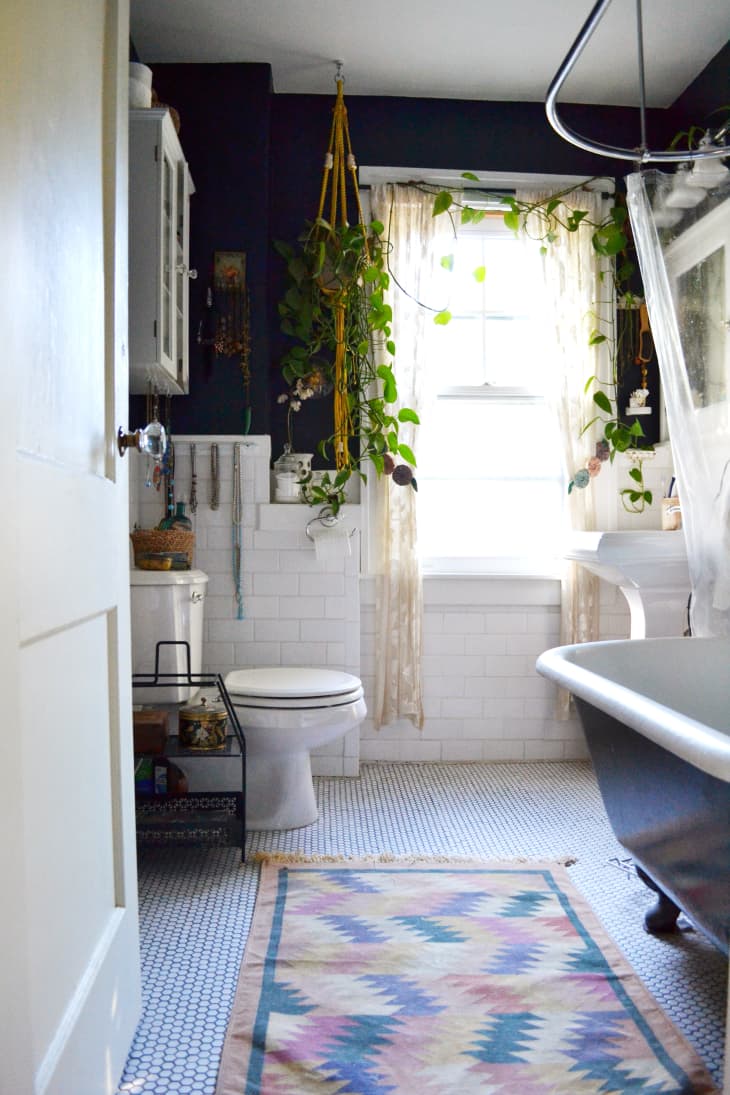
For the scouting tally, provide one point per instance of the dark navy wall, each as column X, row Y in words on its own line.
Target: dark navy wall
column 256, row 159
column 224, row 130
column 698, row 104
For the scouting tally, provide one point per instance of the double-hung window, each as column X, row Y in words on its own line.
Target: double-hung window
column 491, row 488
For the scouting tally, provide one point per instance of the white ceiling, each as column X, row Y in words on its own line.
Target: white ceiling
column 453, row 49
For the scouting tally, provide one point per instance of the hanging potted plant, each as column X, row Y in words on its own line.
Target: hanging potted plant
column 334, row 310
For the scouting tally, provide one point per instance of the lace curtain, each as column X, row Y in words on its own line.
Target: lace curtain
column 576, row 300
column 412, row 231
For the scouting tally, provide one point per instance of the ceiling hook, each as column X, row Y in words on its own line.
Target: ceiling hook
column 339, row 66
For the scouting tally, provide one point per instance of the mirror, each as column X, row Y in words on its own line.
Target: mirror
column 698, row 265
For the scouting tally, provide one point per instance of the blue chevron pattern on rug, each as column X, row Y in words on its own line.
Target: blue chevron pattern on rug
column 431, row 929
column 442, row 980
column 405, row 993
column 355, row 929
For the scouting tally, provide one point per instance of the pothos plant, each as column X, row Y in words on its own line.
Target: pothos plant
column 541, row 220
column 335, row 298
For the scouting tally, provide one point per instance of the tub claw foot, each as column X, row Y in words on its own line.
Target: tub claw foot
column 662, row 917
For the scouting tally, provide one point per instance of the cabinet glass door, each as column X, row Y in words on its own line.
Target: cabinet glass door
column 168, row 228
column 181, row 267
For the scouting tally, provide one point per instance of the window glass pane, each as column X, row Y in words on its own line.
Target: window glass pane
column 506, row 275
column 477, row 439
column 460, row 353
column 492, row 485
column 493, row 336
column 484, row 350
column 490, row 481
column 467, row 519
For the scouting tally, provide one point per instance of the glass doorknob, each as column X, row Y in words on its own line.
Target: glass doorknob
column 151, row 441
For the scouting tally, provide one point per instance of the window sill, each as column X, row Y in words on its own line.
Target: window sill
column 490, row 589
column 496, row 568
column 478, row 591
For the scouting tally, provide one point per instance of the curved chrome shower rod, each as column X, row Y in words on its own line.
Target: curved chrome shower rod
column 641, row 154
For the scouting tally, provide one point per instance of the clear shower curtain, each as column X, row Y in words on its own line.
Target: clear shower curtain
column 685, row 268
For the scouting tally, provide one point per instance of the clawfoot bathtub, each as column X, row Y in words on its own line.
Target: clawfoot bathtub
column 656, row 715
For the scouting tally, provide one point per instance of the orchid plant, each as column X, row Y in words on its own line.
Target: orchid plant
column 300, row 391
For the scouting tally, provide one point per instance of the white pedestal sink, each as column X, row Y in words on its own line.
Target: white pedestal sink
column 650, row 569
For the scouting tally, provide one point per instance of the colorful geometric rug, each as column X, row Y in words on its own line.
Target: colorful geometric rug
column 441, row 978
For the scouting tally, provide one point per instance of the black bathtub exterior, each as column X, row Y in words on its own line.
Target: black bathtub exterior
column 673, row 818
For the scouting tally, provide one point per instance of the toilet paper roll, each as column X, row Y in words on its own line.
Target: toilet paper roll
column 143, row 73
column 140, row 86
column 140, row 96
column 332, row 542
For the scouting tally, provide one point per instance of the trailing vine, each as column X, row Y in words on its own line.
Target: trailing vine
column 540, row 220
column 331, row 265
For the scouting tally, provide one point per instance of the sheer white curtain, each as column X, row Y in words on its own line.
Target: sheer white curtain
column 413, row 232
column 577, row 301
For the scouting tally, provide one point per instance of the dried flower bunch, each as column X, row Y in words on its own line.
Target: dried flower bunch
column 583, row 476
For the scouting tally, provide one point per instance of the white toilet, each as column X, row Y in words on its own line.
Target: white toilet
column 284, row 712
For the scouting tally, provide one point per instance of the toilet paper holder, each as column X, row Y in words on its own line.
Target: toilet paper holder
column 327, row 518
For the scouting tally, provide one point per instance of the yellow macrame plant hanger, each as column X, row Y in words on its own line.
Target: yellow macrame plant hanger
column 338, row 162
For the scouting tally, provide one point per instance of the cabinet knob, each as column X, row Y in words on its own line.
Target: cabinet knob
column 183, row 269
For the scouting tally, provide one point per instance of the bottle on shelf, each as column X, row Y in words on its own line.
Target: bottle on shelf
column 178, row 519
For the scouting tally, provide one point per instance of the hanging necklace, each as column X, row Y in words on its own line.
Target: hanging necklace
column 237, row 516
column 169, row 460
column 214, row 479
column 193, row 482
column 152, row 468
column 169, row 472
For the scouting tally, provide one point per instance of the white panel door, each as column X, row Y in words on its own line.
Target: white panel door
column 69, row 989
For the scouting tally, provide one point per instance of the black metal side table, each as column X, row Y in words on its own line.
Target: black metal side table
column 195, row 817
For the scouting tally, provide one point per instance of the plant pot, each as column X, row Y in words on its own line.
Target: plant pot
column 289, row 470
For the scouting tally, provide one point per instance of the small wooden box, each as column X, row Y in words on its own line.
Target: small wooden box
column 150, row 731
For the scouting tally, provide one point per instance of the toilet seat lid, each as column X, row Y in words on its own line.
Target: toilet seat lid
column 292, row 683
column 167, row 577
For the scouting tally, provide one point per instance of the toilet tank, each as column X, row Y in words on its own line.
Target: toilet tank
column 167, row 606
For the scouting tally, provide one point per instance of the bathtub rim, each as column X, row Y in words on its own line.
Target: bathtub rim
column 699, row 744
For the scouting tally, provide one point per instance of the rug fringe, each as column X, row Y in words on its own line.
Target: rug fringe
column 388, row 857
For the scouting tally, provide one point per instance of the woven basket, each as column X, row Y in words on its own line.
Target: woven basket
column 156, row 541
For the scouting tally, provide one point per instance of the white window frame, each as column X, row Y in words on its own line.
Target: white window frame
column 530, row 563
column 492, row 565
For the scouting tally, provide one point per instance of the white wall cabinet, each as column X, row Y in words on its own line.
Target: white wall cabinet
column 160, row 188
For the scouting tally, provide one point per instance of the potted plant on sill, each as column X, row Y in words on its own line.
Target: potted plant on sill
column 292, row 467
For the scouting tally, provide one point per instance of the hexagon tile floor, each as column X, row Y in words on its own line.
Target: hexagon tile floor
column 196, row 903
